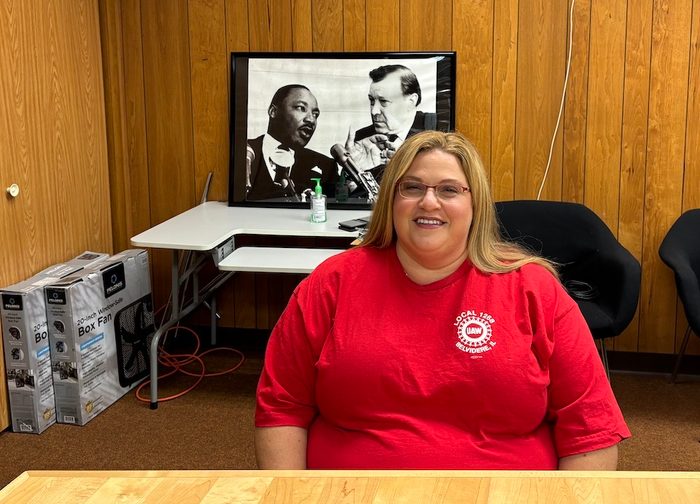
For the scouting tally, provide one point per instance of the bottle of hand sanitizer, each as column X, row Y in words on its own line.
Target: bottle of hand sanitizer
column 318, row 203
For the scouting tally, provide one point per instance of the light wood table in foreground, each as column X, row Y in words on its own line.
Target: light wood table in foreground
column 310, row 487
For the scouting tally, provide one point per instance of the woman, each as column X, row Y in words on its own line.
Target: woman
column 435, row 345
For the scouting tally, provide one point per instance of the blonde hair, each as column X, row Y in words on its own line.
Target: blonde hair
column 486, row 249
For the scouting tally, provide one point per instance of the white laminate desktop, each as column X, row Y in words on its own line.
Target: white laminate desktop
column 207, row 225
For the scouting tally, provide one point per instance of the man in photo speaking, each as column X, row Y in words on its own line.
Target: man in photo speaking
column 394, row 96
column 278, row 164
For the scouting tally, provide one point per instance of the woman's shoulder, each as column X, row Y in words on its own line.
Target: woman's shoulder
column 538, row 280
column 350, row 267
column 356, row 256
column 531, row 277
column 348, row 264
column 538, row 273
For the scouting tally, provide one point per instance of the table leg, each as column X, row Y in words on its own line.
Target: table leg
column 213, row 322
column 154, row 367
column 177, row 314
column 174, row 317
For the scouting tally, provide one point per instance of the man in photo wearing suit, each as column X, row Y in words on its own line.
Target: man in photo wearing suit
column 278, row 164
column 394, row 96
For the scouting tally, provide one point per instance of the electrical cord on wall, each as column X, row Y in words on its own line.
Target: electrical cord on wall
column 563, row 97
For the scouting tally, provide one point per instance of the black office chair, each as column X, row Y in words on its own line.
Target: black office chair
column 597, row 271
column 680, row 250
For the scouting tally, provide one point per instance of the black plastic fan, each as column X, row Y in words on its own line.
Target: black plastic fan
column 134, row 330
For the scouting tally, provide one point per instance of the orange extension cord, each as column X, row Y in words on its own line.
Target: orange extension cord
column 178, row 362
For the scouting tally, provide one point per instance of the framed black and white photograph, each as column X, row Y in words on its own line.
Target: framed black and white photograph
column 299, row 120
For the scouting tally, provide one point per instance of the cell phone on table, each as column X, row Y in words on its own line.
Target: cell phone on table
column 353, row 224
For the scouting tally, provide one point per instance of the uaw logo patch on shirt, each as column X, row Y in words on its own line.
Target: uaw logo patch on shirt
column 474, row 332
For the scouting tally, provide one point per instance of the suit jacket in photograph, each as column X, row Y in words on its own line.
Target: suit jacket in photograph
column 422, row 122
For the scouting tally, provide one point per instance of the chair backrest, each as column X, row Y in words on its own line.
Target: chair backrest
column 602, row 276
column 680, row 250
column 567, row 233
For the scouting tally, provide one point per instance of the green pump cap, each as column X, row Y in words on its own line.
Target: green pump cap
column 318, row 189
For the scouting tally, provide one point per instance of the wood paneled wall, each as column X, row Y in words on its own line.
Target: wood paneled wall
column 627, row 145
column 52, row 140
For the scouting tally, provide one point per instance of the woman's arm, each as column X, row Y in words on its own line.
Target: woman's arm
column 604, row 459
column 280, row 447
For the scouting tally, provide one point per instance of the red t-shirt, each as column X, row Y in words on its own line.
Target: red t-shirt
column 475, row 371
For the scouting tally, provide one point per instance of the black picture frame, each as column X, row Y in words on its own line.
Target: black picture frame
column 340, row 83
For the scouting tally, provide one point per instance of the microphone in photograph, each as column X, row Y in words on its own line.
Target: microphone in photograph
column 249, row 159
column 361, row 178
column 338, row 153
column 288, row 182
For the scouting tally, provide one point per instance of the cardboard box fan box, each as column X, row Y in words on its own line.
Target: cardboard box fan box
column 26, row 345
column 101, row 326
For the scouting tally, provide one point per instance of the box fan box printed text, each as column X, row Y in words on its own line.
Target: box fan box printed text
column 26, row 345
column 101, row 325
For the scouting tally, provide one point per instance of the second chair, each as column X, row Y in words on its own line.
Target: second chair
column 680, row 250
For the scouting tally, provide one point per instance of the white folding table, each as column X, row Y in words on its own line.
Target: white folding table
column 208, row 231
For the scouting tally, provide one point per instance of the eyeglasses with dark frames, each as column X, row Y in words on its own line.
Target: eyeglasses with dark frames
column 414, row 190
